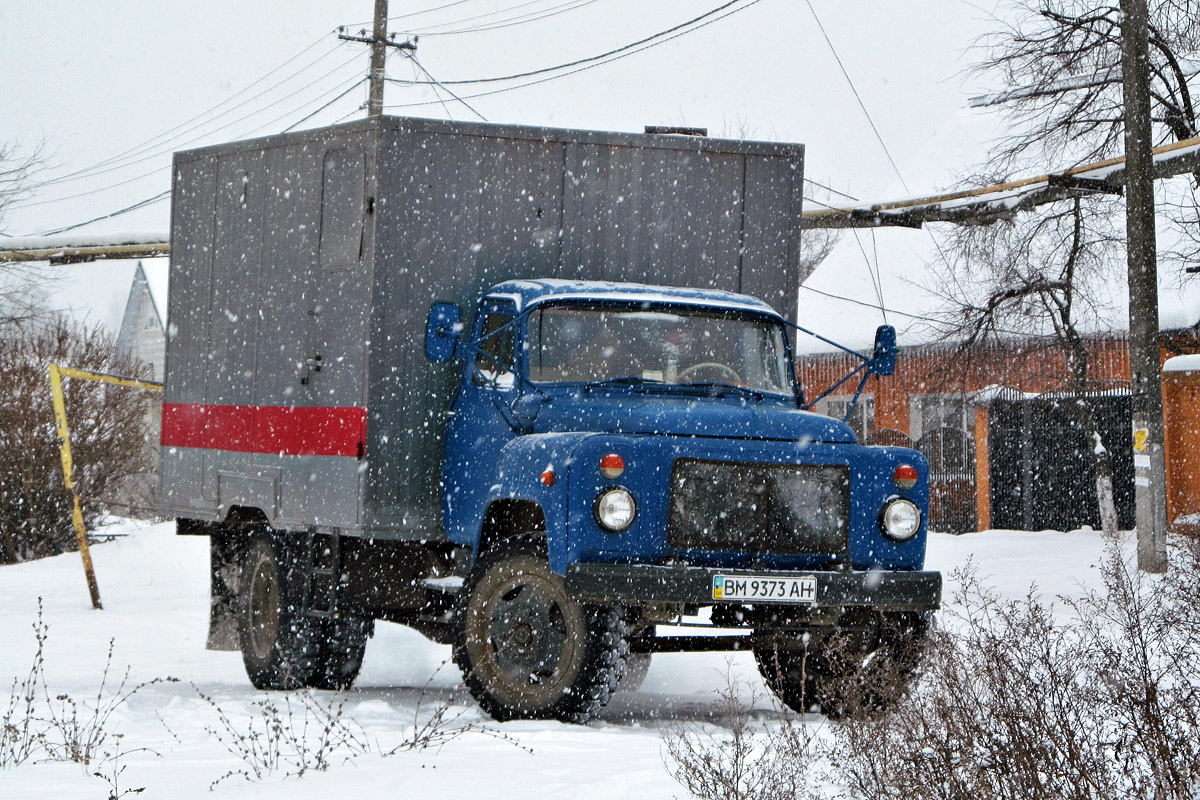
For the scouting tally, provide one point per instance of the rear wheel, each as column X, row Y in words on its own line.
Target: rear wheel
column 340, row 653
column 279, row 645
column 526, row 648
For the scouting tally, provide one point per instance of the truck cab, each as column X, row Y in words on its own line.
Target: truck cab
column 620, row 455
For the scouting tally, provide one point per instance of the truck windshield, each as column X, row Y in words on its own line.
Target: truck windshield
column 676, row 346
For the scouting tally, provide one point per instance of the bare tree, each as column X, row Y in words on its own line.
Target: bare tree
column 1042, row 276
column 1056, row 66
column 22, row 299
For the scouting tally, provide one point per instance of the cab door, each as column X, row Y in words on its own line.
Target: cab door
column 481, row 418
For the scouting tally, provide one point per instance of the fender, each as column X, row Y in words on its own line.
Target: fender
column 523, row 461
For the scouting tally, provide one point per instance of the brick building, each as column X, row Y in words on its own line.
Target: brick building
column 938, row 402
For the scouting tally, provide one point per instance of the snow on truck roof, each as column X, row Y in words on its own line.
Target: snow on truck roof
column 529, row 292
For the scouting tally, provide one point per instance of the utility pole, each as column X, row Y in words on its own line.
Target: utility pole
column 379, row 41
column 378, row 60
column 1148, row 453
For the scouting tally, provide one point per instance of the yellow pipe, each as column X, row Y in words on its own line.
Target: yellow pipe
column 57, row 373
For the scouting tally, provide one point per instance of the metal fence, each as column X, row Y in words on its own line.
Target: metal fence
column 1042, row 465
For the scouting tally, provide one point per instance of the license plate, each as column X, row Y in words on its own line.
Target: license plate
column 751, row 588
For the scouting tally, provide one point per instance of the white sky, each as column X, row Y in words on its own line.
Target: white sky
column 95, row 80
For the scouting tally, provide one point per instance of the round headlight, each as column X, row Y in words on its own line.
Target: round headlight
column 901, row 519
column 615, row 509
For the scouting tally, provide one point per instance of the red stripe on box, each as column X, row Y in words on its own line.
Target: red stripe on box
column 281, row 430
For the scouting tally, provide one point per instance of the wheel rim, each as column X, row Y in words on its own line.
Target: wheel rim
column 524, row 636
column 264, row 609
column 526, row 633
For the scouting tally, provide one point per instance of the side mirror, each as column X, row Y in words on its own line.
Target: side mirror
column 883, row 360
column 443, row 332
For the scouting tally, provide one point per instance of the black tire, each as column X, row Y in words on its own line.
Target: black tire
column 788, row 674
column 340, row 653
column 280, row 647
column 526, row 649
column 637, row 666
column 847, row 677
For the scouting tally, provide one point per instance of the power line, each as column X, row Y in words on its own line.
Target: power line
column 427, row 30
column 585, row 66
column 868, row 305
column 195, row 139
column 421, row 67
column 857, row 97
column 590, row 59
column 936, row 244
column 139, row 204
column 875, row 282
column 436, row 93
column 143, row 146
column 307, row 117
column 831, row 190
column 165, row 194
column 522, row 19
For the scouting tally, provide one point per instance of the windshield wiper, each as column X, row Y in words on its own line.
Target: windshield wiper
column 709, row 385
column 627, row 380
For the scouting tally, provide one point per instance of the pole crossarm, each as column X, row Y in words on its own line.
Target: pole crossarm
column 78, row 248
column 57, row 373
column 987, row 204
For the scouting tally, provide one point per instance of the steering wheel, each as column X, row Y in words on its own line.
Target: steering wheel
column 716, row 366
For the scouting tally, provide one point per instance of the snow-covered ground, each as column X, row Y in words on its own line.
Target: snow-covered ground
column 154, row 588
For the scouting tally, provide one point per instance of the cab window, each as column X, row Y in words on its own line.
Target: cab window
column 495, row 359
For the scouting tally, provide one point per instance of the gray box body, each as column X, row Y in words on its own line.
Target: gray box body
column 303, row 267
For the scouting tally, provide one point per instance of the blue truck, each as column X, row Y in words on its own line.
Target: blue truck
column 430, row 373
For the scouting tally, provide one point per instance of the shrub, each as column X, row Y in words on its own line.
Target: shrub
column 108, row 429
column 1018, row 702
column 40, row 725
column 1093, row 699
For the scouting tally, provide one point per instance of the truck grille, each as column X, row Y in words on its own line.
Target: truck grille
column 762, row 508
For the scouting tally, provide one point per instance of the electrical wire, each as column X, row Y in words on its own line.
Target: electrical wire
column 141, row 147
column 426, row 31
column 412, row 14
column 875, row 284
column 936, row 244
column 601, row 56
column 831, row 190
column 857, row 97
column 165, row 194
column 878, row 273
column 585, row 66
column 203, row 136
column 868, row 305
column 421, row 67
column 522, row 19
column 436, row 92
column 139, row 204
column 349, row 89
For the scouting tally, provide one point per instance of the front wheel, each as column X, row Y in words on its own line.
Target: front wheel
column 527, row 650
column 849, row 675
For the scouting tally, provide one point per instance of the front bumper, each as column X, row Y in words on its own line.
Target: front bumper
column 635, row 584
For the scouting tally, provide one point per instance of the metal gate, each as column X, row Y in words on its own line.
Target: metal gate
column 951, row 454
column 1042, row 465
